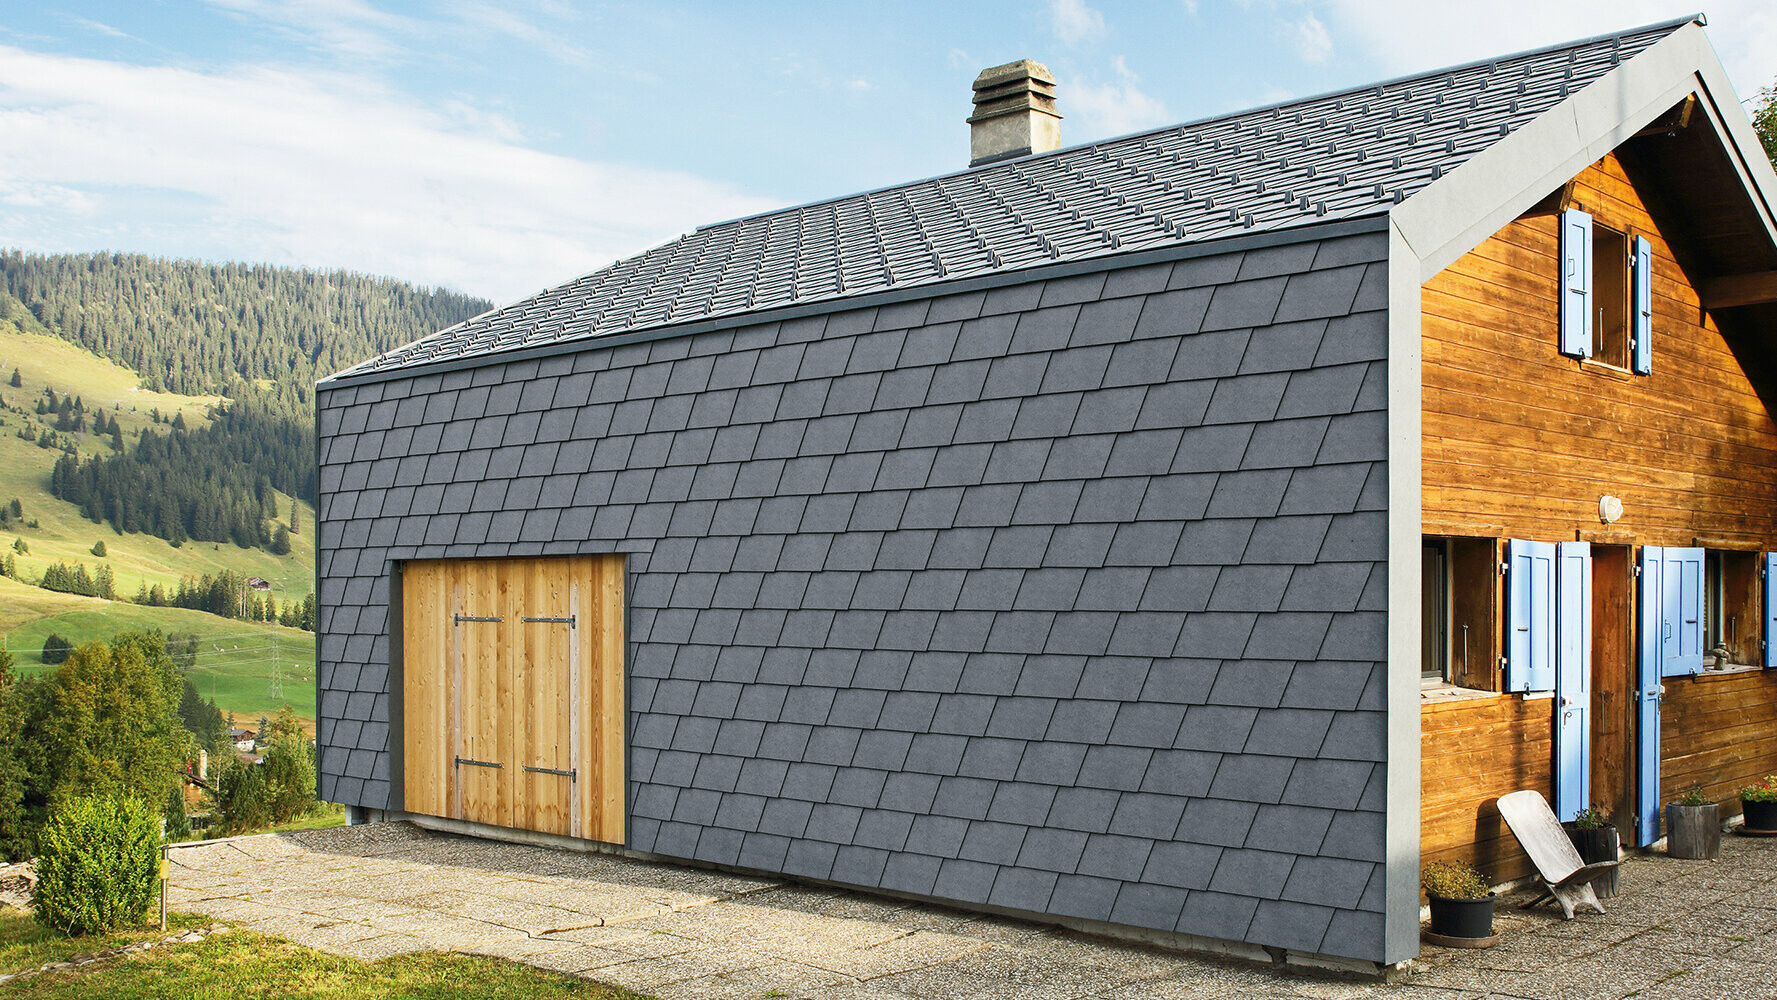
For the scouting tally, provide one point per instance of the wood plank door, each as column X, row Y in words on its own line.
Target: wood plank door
column 1613, row 684
column 513, row 706
column 546, row 638
column 482, row 684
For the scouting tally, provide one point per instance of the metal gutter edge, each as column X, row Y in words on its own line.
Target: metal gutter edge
column 1114, row 262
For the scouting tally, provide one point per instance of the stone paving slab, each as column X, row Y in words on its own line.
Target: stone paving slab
column 1676, row 929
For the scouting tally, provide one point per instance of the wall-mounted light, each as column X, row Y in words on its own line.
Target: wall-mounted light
column 1610, row 509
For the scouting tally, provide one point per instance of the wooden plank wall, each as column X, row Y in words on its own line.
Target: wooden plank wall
column 1720, row 732
column 1472, row 751
column 536, row 694
column 1521, row 441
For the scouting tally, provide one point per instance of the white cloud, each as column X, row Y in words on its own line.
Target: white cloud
column 1106, row 109
column 342, row 28
column 102, row 28
column 1073, row 22
column 479, row 16
column 1310, row 38
column 313, row 169
column 1412, row 35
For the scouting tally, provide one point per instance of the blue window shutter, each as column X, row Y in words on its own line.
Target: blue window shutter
column 1530, row 615
column 1641, row 342
column 1647, row 696
column 1576, row 283
column 1770, row 634
column 1681, row 635
column 1573, row 670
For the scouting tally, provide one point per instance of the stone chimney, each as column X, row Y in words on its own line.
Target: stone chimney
column 1014, row 113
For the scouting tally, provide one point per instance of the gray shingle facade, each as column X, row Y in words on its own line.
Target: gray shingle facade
column 1065, row 596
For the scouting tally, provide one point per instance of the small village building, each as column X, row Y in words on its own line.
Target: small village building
column 1186, row 534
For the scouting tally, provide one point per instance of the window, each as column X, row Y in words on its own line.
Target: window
column 1606, row 295
column 1730, row 606
column 1434, row 615
column 1610, row 296
column 1459, row 613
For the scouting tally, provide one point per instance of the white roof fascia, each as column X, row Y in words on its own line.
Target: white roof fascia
column 1454, row 214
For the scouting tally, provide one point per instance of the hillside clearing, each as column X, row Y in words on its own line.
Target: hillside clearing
column 239, row 664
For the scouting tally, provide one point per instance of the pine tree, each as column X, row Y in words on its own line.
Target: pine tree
column 178, row 821
column 17, row 379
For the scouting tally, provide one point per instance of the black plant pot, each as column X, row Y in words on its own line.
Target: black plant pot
column 1594, row 846
column 1693, row 831
column 1462, row 918
column 1759, row 815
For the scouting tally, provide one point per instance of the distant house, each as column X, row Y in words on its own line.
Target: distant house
column 243, row 739
column 1188, row 533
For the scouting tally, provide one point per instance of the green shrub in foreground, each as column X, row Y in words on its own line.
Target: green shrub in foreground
column 97, row 864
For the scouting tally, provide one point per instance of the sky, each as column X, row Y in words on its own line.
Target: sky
column 501, row 148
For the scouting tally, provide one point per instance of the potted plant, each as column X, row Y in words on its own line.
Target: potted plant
column 1595, row 837
column 1758, row 804
column 1693, row 826
column 1461, row 902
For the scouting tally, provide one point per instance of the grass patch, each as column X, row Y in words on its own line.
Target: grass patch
column 244, row 964
column 26, row 944
column 324, row 815
column 238, row 662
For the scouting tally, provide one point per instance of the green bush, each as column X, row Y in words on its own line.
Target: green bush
column 98, row 862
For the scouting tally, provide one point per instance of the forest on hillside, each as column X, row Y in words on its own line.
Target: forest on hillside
column 196, row 327
column 256, row 334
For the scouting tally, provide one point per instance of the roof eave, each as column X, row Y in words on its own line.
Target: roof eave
column 1454, row 214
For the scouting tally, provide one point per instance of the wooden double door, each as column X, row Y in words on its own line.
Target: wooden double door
column 512, row 691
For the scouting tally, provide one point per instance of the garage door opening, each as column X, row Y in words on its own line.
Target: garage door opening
column 512, row 687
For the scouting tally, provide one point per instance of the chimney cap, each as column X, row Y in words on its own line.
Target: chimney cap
column 1014, row 112
column 994, row 76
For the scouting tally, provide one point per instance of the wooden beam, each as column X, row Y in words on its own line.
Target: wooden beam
column 1672, row 121
column 1731, row 290
column 1553, row 202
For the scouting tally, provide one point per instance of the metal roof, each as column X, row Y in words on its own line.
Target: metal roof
column 1336, row 156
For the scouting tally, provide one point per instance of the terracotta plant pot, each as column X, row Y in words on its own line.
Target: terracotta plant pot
column 1759, row 815
column 1596, row 845
column 1693, row 831
column 1462, row 918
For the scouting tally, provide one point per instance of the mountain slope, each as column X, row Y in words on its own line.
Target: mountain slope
column 118, row 333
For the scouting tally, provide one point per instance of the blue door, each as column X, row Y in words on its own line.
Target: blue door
column 1649, row 630
column 1573, row 672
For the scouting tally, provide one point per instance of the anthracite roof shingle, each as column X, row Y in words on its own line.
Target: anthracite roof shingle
column 1337, row 156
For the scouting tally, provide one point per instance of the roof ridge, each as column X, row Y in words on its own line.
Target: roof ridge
column 1314, row 160
column 1669, row 25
